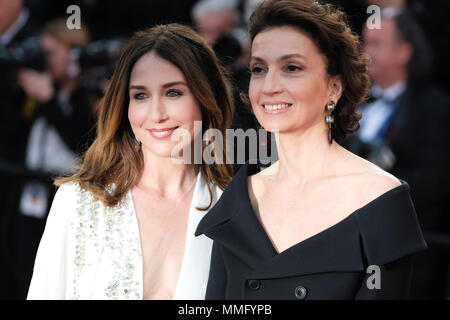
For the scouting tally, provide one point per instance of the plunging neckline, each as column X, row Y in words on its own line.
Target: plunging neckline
column 195, row 195
column 323, row 232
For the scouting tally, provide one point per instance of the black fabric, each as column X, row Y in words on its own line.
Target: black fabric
column 419, row 138
column 330, row 265
column 75, row 129
column 14, row 131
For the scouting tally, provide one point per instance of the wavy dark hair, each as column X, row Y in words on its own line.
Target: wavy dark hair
column 328, row 27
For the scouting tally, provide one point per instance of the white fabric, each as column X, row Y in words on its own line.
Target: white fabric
column 376, row 113
column 390, row 93
column 89, row 251
column 47, row 151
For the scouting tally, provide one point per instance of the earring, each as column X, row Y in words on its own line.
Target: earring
column 329, row 119
column 138, row 142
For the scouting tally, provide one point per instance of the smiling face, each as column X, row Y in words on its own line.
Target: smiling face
column 161, row 104
column 289, row 85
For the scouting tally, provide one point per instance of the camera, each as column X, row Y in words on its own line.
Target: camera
column 98, row 53
column 95, row 63
column 28, row 54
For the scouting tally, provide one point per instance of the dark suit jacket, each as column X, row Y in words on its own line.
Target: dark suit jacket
column 330, row 265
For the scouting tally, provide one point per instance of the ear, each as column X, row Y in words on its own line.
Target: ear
column 405, row 53
column 335, row 88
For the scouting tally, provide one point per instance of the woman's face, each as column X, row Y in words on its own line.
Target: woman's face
column 289, row 85
column 57, row 56
column 161, row 105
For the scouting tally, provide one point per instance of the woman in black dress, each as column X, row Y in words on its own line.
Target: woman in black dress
column 321, row 223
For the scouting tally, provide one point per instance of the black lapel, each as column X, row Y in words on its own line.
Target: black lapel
column 336, row 249
column 233, row 224
column 346, row 246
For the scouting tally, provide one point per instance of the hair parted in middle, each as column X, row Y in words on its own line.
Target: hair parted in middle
column 113, row 158
column 328, row 28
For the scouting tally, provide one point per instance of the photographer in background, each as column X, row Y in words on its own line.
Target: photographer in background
column 64, row 113
column 60, row 121
column 404, row 130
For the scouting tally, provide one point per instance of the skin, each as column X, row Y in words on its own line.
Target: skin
column 9, row 12
column 285, row 196
column 212, row 25
column 160, row 98
column 57, row 57
column 389, row 55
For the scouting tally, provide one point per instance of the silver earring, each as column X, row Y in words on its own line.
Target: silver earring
column 138, row 142
column 329, row 119
column 331, row 106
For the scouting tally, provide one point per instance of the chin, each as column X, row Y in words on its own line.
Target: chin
column 275, row 126
column 164, row 150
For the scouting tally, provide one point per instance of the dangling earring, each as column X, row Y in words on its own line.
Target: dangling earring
column 329, row 119
column 138, row 142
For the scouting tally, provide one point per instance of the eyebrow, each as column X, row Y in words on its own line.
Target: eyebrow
column 166, row 85
column 285, row 57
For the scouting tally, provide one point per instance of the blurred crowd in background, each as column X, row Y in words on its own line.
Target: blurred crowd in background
column 52, row 79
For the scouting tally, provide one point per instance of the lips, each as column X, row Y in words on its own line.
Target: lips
column 162, row 132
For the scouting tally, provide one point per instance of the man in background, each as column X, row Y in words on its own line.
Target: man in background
column 404, row 130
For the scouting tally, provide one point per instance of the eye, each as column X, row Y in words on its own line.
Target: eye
column 256, row 70
column 293, row 68
column 140, row 96
column 174, row 93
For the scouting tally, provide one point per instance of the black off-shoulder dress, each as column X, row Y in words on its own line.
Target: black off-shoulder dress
column 367, row 255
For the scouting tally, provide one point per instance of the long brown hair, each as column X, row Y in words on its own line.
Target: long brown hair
column 113, row 158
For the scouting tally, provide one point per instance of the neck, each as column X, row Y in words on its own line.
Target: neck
column 390, row 81
column 305, row 155
column 164, row 177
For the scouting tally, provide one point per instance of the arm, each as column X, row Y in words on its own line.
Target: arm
column 395, row 280
column 50, row 272
column 217, row 275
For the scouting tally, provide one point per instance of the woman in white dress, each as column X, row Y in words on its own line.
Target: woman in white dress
column 123, row 226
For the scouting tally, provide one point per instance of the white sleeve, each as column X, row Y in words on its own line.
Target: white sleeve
column 50, row 267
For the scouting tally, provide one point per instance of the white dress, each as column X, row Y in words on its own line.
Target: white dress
column 89, row 251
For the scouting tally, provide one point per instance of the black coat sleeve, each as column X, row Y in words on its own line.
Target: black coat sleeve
column 217, row 281
column 391, row 236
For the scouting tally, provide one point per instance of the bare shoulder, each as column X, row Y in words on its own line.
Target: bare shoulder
column 370, row 181
column 376, row 184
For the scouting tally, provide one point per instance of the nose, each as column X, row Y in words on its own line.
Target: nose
column 158, row 111
column 272, row 84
